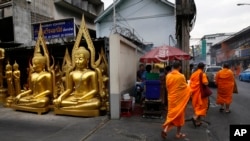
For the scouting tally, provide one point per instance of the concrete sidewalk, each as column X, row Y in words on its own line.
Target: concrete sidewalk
column 23, row 126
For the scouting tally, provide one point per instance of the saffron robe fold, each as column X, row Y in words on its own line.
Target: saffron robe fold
column 178, row 96
column 200, row 105
column 225, row 85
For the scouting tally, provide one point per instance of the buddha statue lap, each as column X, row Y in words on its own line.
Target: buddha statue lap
column 36, row 98
column 81, row 95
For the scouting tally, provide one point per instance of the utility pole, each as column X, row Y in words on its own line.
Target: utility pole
column 185, row 12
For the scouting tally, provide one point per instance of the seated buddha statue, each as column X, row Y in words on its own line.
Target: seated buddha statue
column 81, row 95
column 36, row 98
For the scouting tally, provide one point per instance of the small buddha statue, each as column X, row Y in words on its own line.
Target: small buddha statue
column 16, row 78
column 10, row 86
column 36, row 98
column 82, row 91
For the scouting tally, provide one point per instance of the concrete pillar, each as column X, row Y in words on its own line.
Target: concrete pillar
column 115, row 96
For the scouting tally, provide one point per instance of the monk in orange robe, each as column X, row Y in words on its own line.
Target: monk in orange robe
column 225, row 85
column 178, row 97
column 200, row 105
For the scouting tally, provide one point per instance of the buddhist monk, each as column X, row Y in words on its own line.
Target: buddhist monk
column 200, row 105
column 178, row 97
column 225, row 85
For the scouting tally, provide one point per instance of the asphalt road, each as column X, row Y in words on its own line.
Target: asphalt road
column 240, row 113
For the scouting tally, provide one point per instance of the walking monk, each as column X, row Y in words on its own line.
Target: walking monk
column 225, row 85
column 200, row 105
column 178, row 97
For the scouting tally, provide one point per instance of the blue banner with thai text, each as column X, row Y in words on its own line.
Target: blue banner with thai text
column 56, row 29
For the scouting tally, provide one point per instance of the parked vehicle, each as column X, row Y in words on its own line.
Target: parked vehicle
column 245, row 75
column 211, row 72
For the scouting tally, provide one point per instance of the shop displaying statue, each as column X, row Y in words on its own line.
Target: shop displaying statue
column 37, row 97
column 10, row 86
column 16, row 78
column 83, row 96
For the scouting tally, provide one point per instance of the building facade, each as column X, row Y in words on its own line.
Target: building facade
column 18, row 16
column 234, row 50
column 203, row 51
column 149, row 22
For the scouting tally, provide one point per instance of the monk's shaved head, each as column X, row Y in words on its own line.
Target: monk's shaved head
column 201, row 65
column 226, row 65
column 177, row 64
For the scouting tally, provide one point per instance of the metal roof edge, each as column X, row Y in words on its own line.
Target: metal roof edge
column 168, row 3
column 117, row 2
column 107, row 11
column 233, row 35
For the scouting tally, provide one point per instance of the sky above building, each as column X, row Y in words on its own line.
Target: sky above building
column 216, row 16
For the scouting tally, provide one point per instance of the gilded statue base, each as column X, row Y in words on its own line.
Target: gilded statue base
column 39, row 111
column 81, row 113
column 8, row 102
column 3, row 94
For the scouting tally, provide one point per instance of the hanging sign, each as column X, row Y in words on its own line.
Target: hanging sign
column 56, row 29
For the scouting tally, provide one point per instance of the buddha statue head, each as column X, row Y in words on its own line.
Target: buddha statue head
column 38, row 62
column 81, row 57
column 8, row 66
column 15, row 66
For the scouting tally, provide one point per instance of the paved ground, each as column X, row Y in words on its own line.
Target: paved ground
column 23, row 126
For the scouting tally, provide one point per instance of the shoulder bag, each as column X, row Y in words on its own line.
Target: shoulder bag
column 205, row 90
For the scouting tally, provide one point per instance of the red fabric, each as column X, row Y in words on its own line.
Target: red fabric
column 164, row 54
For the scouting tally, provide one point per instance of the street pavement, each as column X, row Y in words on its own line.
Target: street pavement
column 24, row 126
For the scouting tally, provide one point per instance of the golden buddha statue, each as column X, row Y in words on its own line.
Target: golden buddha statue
column 3, row 91
column 1, row 66
column 16, row 78
column 85, row 93
column 10, row 86
column 82, row 92
column 37, row 97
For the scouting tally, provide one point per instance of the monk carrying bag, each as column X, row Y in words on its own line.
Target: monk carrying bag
column 205, row 90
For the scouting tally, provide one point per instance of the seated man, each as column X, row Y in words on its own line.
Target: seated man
column 36, row 98
column 81, row 96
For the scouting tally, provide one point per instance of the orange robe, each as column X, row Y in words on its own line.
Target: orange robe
column 200, row 105
column 178, row 97
column 225, row 85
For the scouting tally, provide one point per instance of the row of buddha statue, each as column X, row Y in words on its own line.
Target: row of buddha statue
column 80, row 89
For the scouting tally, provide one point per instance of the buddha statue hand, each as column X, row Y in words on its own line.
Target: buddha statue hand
column 17, row 98
column 75, row 100
column 57, row 102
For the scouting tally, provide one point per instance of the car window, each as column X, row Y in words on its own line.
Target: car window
column 247, row 70
column 213, row 69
